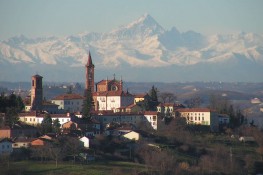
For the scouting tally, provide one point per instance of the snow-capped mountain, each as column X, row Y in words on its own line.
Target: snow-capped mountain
column 134, row 49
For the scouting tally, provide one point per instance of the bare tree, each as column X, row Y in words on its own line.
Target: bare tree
column 167, row 97
column 164, row 163
column 56, row 152
column 193, row 102
column 72, row 146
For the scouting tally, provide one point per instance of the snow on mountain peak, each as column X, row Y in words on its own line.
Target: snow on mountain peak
column 143, row 27
column 141, row 43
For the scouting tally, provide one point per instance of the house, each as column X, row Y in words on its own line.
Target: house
column 35, row 118
column 255, row 101
column 141, row 97
column 141, row 119
column 110, row 100
column 69, row 102
column 6, row 146
column 129, row 109
column 151, row 117
column 223, row 119
column 200, row 116
column 168, row 109
column 88, row 127
column 40, row 142
column 132, row 135
column 18, row 130
column 22, row 142
column 85, row 141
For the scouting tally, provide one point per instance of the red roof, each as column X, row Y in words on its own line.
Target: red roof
column 68, row 97
column 150, row 113
column 193, row 110
column 55, row 115
column 111, row 93
column 140, row 95
column 37, row 76
column 103, row 82
column 35, row 114
column 32, row 113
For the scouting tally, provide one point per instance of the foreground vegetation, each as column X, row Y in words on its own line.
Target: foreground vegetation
column 49, row 168
column 183, row 153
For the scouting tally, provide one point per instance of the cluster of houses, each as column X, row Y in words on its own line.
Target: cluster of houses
column 111, row 105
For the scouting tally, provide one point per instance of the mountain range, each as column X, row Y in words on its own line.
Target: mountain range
column 140, row 51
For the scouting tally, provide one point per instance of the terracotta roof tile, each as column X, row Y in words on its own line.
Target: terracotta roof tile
column 193, row 110
column 68, row 97
column 150, row 113
column 140, row 95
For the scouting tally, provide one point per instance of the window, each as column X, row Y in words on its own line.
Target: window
column 154, row 118
column 203, row 118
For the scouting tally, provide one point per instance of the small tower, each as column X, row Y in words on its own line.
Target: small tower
column 89, row 75
column 36, row 93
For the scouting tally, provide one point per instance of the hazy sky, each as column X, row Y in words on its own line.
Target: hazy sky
column 34, row 18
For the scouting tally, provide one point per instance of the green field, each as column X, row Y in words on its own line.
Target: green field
column 49, row 168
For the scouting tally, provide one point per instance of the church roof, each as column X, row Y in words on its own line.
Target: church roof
column 103, row 82
column 37, row 76
column 89, row 63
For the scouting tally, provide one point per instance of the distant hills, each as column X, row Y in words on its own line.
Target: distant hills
column 141, row 51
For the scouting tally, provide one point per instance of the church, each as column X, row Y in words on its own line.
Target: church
column 108, row 95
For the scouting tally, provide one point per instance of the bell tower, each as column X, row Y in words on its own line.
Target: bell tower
column 89, row 75
column 36, row 92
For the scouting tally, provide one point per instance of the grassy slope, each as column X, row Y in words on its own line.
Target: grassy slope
column 49, row 168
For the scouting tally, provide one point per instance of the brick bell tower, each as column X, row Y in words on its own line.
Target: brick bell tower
column 89, row 75
column 36, row 92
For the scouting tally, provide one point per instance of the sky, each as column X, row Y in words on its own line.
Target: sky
column 40, row 18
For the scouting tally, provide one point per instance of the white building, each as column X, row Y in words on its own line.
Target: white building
column 110, row 100
column 200, row 116
column 34, row 118
column 149, row 118
column 168, row 108
column 132, row 136
column 85, row 141
column 69, row 102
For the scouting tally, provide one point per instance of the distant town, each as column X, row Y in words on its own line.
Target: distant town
column 134, row 129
